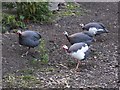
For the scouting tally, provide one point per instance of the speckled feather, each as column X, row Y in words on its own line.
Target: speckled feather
column 29, row 38
column 81, row 37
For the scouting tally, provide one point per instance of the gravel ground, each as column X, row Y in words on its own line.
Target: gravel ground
column 99, row 70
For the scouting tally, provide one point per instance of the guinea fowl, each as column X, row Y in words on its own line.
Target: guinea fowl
column 95, row 27
column 29, row 39
column 79, row 51
column 85, row 36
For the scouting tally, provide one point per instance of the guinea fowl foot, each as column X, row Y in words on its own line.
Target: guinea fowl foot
column 25, row 54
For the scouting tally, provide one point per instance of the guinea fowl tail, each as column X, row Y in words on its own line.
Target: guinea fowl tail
column 39, row 35
column 106, row 31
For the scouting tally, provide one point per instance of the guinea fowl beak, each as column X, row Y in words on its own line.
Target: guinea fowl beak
column 82, row 25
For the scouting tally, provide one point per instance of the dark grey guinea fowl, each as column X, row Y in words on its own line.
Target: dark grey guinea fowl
column 29, row 38
column 85, row 36
column 80, row 51
column 95, row 27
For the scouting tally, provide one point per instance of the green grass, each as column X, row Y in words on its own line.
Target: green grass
column 43, row 52
column 26, row 71
column 43, row 58
column 24, row 81
column 71, row 9
column 9, row 22
column 48, row 69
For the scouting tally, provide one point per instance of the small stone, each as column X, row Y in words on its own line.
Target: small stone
column 13, row 45
column 56, row 24
column 95, row 57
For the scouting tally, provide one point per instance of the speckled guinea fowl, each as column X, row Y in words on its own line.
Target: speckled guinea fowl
column 29, row 38
column 85, row 36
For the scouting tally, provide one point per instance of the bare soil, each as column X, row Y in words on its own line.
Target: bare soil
column 99, row 70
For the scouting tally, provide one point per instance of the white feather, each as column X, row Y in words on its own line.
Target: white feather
column 100, row 29
column 19, row 31
column 65, row 33
column 93, row 30
column 84, row 48
column 80, row 54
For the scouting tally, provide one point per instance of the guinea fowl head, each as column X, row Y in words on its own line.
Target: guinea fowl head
column 65, row 33
column 19, row 32
column 82, row 25
column 65, row 47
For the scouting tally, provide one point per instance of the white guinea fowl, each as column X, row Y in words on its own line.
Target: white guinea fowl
column 80, row 51
column 29, row 39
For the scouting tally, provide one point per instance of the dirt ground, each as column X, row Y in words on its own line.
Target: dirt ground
column 99, row 70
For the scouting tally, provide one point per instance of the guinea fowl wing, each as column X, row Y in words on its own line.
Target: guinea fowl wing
column 76, row 47
column 78, row 50
column 102, row 25
column 30, row 38
column 94, row 24
column 32, row 35
column 79, row 37
column 30, row 42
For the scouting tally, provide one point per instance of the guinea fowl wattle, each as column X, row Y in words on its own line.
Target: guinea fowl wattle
column 80, row 51
column 95, row 27
column 85, row 36
column 29, row 38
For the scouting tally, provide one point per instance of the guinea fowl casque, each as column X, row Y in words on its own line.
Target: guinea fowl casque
column 85, row 36
column 79, row 51
column 95, row 27
column 29, row 39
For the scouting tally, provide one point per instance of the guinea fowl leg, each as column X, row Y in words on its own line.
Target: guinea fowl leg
column 25, row 54
column 27, row 51
column 77, row 65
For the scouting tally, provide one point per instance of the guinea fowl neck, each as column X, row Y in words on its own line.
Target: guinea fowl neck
column 68, row 37
column 20, row 36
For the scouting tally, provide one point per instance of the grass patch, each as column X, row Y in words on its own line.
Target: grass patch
column 43, row 52
column 25, row 81
column 71, row 9
column 48, row 69
column 43, row 56
column 26, row 71
column 10, row 22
